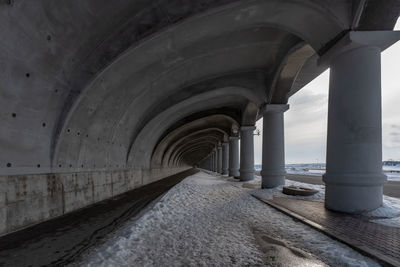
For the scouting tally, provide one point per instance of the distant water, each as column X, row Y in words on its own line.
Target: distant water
column 392, row 172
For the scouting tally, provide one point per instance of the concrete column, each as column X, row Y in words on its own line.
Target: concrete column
column 354, row 177
column 273, row 150
column 209, row 163
column 216, row 160
column 212, row 162
column 225, row 158
column 234, row 156
column 219, row 149
column 247, row 153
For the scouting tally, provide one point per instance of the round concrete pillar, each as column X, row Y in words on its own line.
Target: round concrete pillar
column 212, row 161
column 219, row 162
column 225, row 158
column 354, row 177
column 215, row 160
column 273, row 150
column 234, row 156
column 247, row 153
column 209, row 163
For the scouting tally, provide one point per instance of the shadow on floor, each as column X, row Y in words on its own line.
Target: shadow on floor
column 62, row 240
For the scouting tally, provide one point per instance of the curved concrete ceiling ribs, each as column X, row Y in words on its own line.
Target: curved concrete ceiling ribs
column 166, row 72
column 157, row 83
column 205, row 132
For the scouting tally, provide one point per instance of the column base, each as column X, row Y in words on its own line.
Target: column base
column 246, row 175
column 272, row 180
column 234, row 173
column 224, row 172
column 354, row 193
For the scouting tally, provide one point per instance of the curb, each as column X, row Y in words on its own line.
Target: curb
column 382, row 259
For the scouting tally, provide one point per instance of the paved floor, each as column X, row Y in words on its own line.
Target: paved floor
column 378, row 241
column 62, row 240
column 209, row 220
column 391, row 188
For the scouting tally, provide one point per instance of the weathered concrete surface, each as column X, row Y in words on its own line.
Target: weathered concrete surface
column 273, row 151
column 114, row 92
column 62, row 240
column 29, row 199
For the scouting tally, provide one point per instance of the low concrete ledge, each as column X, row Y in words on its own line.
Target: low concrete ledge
column 26, row 200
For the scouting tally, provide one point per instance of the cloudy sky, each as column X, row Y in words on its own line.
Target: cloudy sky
column 306, row 120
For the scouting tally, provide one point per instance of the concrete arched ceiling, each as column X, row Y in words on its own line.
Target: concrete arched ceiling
column 143, row 145
column 215, row 128
column 94, row 84
column 195, row 142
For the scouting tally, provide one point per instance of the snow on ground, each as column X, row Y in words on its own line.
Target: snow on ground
column 392, row 222
column 207, row 220
column 390, row 209
column 392, row 172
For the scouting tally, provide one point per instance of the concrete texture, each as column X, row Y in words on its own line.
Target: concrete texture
column 234, row 156
column 273, row 150
column 225, row 158
column 354, row 176
column 55, row 243
column 91, row 88
column 219, row 159
column 247, row 153
column 26, row 200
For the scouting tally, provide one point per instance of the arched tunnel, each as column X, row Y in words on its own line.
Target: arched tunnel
column 101, row 97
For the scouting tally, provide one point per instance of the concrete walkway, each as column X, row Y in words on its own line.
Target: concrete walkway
column 377, row 241
column 391, row 188
column 212, row 220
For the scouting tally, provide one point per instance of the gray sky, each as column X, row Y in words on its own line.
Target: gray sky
column 306, row 120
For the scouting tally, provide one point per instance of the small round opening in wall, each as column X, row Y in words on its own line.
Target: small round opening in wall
column 27, row 75
column 14, row 115
column 9, row 165
column 38, row 165
column 44, row 124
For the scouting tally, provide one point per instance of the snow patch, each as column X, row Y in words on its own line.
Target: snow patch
column 202, row 221
column 390, row 207
column 392, row 222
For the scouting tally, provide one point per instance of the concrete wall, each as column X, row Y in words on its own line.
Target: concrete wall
column 26, row 200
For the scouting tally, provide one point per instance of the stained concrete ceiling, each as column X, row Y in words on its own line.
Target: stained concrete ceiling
column 98, row 84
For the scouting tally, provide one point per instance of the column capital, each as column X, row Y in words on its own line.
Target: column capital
column 247, row 128
column 275, row 108
column 233, row 137
column 357, row 39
